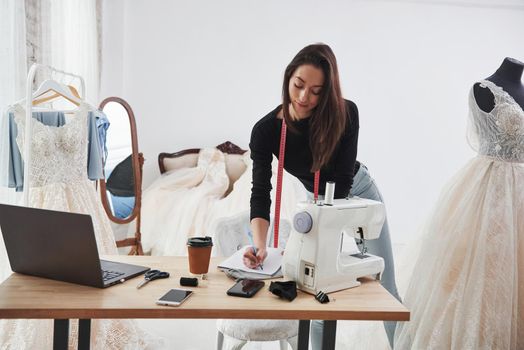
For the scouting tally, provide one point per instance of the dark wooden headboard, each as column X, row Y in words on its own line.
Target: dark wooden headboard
column 226, row 147
column 234, row 159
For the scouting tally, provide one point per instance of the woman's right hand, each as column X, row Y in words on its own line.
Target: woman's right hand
column 253, row 261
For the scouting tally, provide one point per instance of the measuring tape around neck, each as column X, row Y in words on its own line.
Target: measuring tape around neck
column 280, row 174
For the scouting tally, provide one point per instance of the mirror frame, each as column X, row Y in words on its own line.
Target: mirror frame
column 137, row 159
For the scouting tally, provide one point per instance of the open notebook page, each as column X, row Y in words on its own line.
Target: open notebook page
column 271, row 264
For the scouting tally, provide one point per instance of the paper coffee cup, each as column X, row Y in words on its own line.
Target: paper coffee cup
column 199, row 254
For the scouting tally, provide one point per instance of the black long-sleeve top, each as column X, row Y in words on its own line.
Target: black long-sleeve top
column 265, row 142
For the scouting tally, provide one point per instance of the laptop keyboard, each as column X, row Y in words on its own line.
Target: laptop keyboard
column 108, row 275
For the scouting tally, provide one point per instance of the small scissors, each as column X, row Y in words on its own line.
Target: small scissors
column 153, row 275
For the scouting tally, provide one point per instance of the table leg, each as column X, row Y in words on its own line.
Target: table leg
column 84, row 334
column 303, row 335
column 61, row 334
column 329, row 335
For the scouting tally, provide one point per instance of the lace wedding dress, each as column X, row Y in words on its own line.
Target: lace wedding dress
column 59, row 182
column 467, row 288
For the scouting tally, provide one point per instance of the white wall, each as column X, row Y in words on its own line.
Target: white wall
column 200, row 72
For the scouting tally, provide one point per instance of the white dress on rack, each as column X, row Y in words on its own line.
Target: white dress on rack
column 59, row 182
column 467, row 288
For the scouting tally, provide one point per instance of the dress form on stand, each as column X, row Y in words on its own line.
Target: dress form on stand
column 508, row 76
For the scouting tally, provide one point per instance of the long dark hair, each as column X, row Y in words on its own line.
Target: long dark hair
column 328, row 120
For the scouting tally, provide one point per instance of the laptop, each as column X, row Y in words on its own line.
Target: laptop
column 60, row 246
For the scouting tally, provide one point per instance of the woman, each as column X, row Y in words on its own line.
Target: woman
column 323, row 135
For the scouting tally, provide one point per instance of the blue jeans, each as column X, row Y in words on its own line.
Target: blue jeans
column 364, row 186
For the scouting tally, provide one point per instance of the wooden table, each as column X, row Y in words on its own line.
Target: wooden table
column 28, row 297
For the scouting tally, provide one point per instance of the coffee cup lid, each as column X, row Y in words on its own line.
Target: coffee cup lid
column 200, row 242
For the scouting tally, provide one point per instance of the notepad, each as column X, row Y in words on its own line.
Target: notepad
column 271, row 264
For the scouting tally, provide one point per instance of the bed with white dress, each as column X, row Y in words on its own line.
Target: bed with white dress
column 200, row 191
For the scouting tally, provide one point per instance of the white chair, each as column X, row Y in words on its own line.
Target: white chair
column 234, row 334
column 231, row 234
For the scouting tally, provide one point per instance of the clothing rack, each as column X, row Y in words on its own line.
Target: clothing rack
column 28, row 116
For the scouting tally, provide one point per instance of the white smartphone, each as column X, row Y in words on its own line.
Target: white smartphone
column 174, row 297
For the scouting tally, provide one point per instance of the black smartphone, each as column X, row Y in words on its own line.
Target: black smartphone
column 174, row 297
column 245, row 288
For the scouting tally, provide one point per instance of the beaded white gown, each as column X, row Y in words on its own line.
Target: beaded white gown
column 467, row 288
column 59, row 182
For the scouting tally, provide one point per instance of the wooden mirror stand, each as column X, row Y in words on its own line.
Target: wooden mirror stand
column 137, row 161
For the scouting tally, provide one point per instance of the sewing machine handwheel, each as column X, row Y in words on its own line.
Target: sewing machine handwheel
column 302, row 222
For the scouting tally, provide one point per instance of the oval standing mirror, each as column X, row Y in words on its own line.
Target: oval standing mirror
column 121, row 189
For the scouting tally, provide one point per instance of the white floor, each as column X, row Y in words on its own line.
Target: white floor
column 193, row 335
column 201, row 335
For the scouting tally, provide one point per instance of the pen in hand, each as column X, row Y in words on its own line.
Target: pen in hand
column 254, row 248
column 255, row 251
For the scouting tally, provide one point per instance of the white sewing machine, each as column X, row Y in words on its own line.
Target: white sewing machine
column 314, row 257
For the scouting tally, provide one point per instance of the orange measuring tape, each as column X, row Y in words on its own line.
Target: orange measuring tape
column 280, row 174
